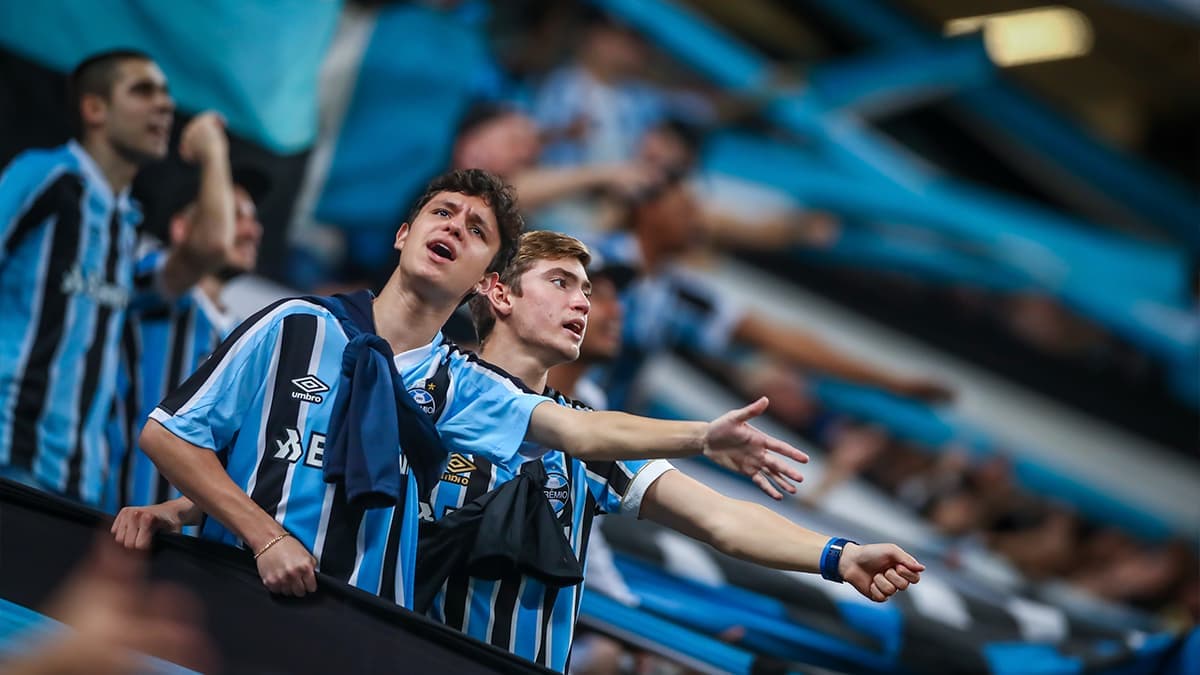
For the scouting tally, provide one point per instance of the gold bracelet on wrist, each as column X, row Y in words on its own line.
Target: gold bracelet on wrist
column 271, row 543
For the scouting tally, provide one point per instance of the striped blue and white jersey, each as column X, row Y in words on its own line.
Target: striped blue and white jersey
column 672, row 307
column 616, row 115
column 165, row 341
column 263, row 401
column 66, row 275
column 517, row 613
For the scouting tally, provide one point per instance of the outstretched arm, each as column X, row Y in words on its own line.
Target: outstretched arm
column 541, row 186
column 810, row 352
column 728, row 440
column 757, row 534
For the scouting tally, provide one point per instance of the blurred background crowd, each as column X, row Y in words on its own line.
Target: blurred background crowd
column 998, row 194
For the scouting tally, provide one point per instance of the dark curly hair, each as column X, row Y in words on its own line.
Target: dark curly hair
column 498, row 195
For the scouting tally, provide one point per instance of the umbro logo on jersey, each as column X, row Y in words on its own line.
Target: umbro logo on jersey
column 458, row 470
column 309, row 389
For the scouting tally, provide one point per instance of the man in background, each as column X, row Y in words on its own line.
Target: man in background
column 67, row 240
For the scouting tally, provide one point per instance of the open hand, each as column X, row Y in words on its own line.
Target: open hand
column 731, row 442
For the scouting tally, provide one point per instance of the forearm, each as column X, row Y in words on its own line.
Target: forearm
column 811, row 353
column 737, row 528
column 729, row 231
column 185, row 509
column 198, row 474
column 539, row 187
column 605, row 435
column 211, row 231
column 759, row 535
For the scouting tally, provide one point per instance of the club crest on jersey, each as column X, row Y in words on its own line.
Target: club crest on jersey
column 458, row 470
column 556, row 490
column 309, row 389
column 424, row 399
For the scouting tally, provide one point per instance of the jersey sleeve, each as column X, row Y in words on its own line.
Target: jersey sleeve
column 704, row 319
column 25, row 194
column 207, row 408
column 148, row 294
column 487, row 414
column 618, row 486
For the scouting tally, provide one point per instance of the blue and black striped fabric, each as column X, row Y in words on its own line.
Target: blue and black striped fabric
column 264, row 401
column 518, row 613
column 66, row 276
column 164, row 342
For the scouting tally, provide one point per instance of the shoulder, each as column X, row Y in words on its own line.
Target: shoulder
column 40, row 160
column 285, row 311
column 468, row 368
column 38, row 169
column 564, row 400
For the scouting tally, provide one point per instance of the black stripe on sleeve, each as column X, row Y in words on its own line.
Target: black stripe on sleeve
column 176, row 399
column 691, row 298
column 297, row 338
column 612, row 474
column 63, row 197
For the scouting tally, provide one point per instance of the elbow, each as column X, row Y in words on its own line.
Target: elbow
column 150, row 439
column 727, row 528
column 209, row 254
column 583, row 447
column 722, row 535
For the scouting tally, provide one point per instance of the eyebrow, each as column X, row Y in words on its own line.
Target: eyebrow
column 473, row 218
column 587, row 284
column 148, row 84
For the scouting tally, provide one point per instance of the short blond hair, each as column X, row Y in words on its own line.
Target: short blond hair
column 531, row 247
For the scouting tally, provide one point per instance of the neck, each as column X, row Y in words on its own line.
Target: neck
column 566, row 376
column 652, row 257
column 406, row 320
column 117, row 170
column 598, row 70
column 510, row 353
column 212, row 287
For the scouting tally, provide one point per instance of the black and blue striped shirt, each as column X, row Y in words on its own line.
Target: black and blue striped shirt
column 66, row 275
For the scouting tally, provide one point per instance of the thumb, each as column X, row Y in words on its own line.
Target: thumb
column 751, row 411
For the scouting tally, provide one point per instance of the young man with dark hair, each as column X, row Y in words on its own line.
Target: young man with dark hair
column 67, row 239
column 326, row 448
column 521, row 321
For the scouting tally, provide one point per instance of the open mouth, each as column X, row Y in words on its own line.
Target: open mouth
column 576, row 326
column 161, row 129
column 442, row 250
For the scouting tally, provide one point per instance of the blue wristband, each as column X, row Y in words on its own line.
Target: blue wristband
column 831, row 556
